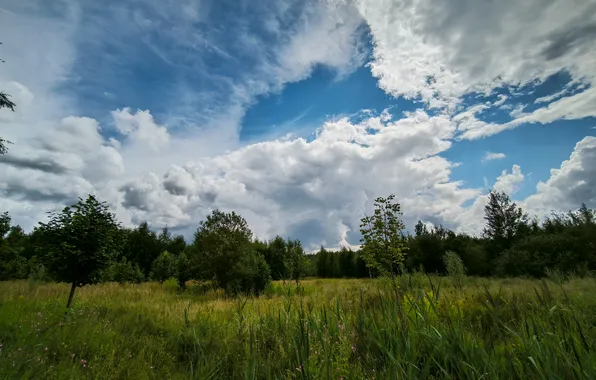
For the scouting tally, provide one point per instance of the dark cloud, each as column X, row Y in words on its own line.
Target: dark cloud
column 563, row 42
column 44, row 164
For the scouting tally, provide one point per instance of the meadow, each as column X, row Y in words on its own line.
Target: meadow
column 420, row 327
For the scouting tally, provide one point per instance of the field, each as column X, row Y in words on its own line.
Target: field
column 421, row 328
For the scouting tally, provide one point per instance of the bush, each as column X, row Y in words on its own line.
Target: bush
column 455, row 267
column 122, row 272
column 171, row 284
column 250, row 276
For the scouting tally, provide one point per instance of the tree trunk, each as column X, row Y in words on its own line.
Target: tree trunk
column 71, row 295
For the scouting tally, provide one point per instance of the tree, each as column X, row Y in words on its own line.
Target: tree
column 164, row 267
column 79, row 242
column 183, row 272
column 504, row 220
column 383, row 244
column 223, row 251
column 275, row 255
column 296, row 263
column 142, row 247
column 5, row 102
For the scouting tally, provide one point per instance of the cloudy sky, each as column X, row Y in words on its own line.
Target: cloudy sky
column 295, row 113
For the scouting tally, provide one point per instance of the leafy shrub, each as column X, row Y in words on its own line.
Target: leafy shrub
column 455, row 267
column 250, row 276
column 171, row 284
column 199, row 287
column 122, row 271
column 164, row 267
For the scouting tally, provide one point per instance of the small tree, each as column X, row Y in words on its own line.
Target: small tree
column 504, row 221
column 455, row 267
column 164, row 267
column 183, row 272
column 296, row 263
column 79, row 242
column 383, row 243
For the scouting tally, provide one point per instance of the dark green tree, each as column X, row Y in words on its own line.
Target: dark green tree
column 504, row 221
column 223, row 251
column 296, row 262
column 79, row 242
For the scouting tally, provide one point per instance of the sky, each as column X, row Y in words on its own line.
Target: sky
column 297, row 114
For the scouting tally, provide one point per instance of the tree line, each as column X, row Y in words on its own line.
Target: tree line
column 85, row 244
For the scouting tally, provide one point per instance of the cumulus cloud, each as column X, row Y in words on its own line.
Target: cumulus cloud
column 141, row 128
column 569, row 185
column 490, row 156
column 290, row 187
column 315, row 190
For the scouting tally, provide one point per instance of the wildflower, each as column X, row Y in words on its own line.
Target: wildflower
column 84, row 363
column 353, row 348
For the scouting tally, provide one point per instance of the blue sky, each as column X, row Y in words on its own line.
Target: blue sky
column 297, row 113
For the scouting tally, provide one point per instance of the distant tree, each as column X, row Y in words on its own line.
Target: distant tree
column 123, row 271
column 296, row 262
column 224, row 251
column 79, row 242
column 177, row 245
column 275, row 255
column 183, row 272
column 383, row 244
column 164, row 267
column 504, row 221
column 420, row 228
column 322, row 263
column 142, row 247
column 347, row 262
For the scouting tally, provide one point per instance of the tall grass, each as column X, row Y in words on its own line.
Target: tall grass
column 324, row 329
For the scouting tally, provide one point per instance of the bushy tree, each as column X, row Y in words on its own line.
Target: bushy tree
column 275, row 255
column 296, row 262
column 164, row 267
column 504, row 221
column 183, row 272
column 80, row 241
column 383, row 244
column 142, row 246
column 123, row 271
column 224, row 252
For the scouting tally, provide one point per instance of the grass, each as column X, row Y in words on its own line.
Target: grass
column 427, row 328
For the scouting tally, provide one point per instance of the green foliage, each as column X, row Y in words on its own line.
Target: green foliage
column 455, row 267
column 80, row 241
column 296, row 263
column 123, row 271
column 164, row 267
column 505, row 221
column 383, row 243
column 223, row 251
column 183, row 272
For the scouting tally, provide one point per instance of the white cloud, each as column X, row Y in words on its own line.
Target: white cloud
column 141, row 128
column 569, row 185
column 509, row 182
column 442, row 50
column 313, row 190
column 490, row 156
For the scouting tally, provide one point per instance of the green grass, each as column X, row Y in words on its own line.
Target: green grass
column 428, row 328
